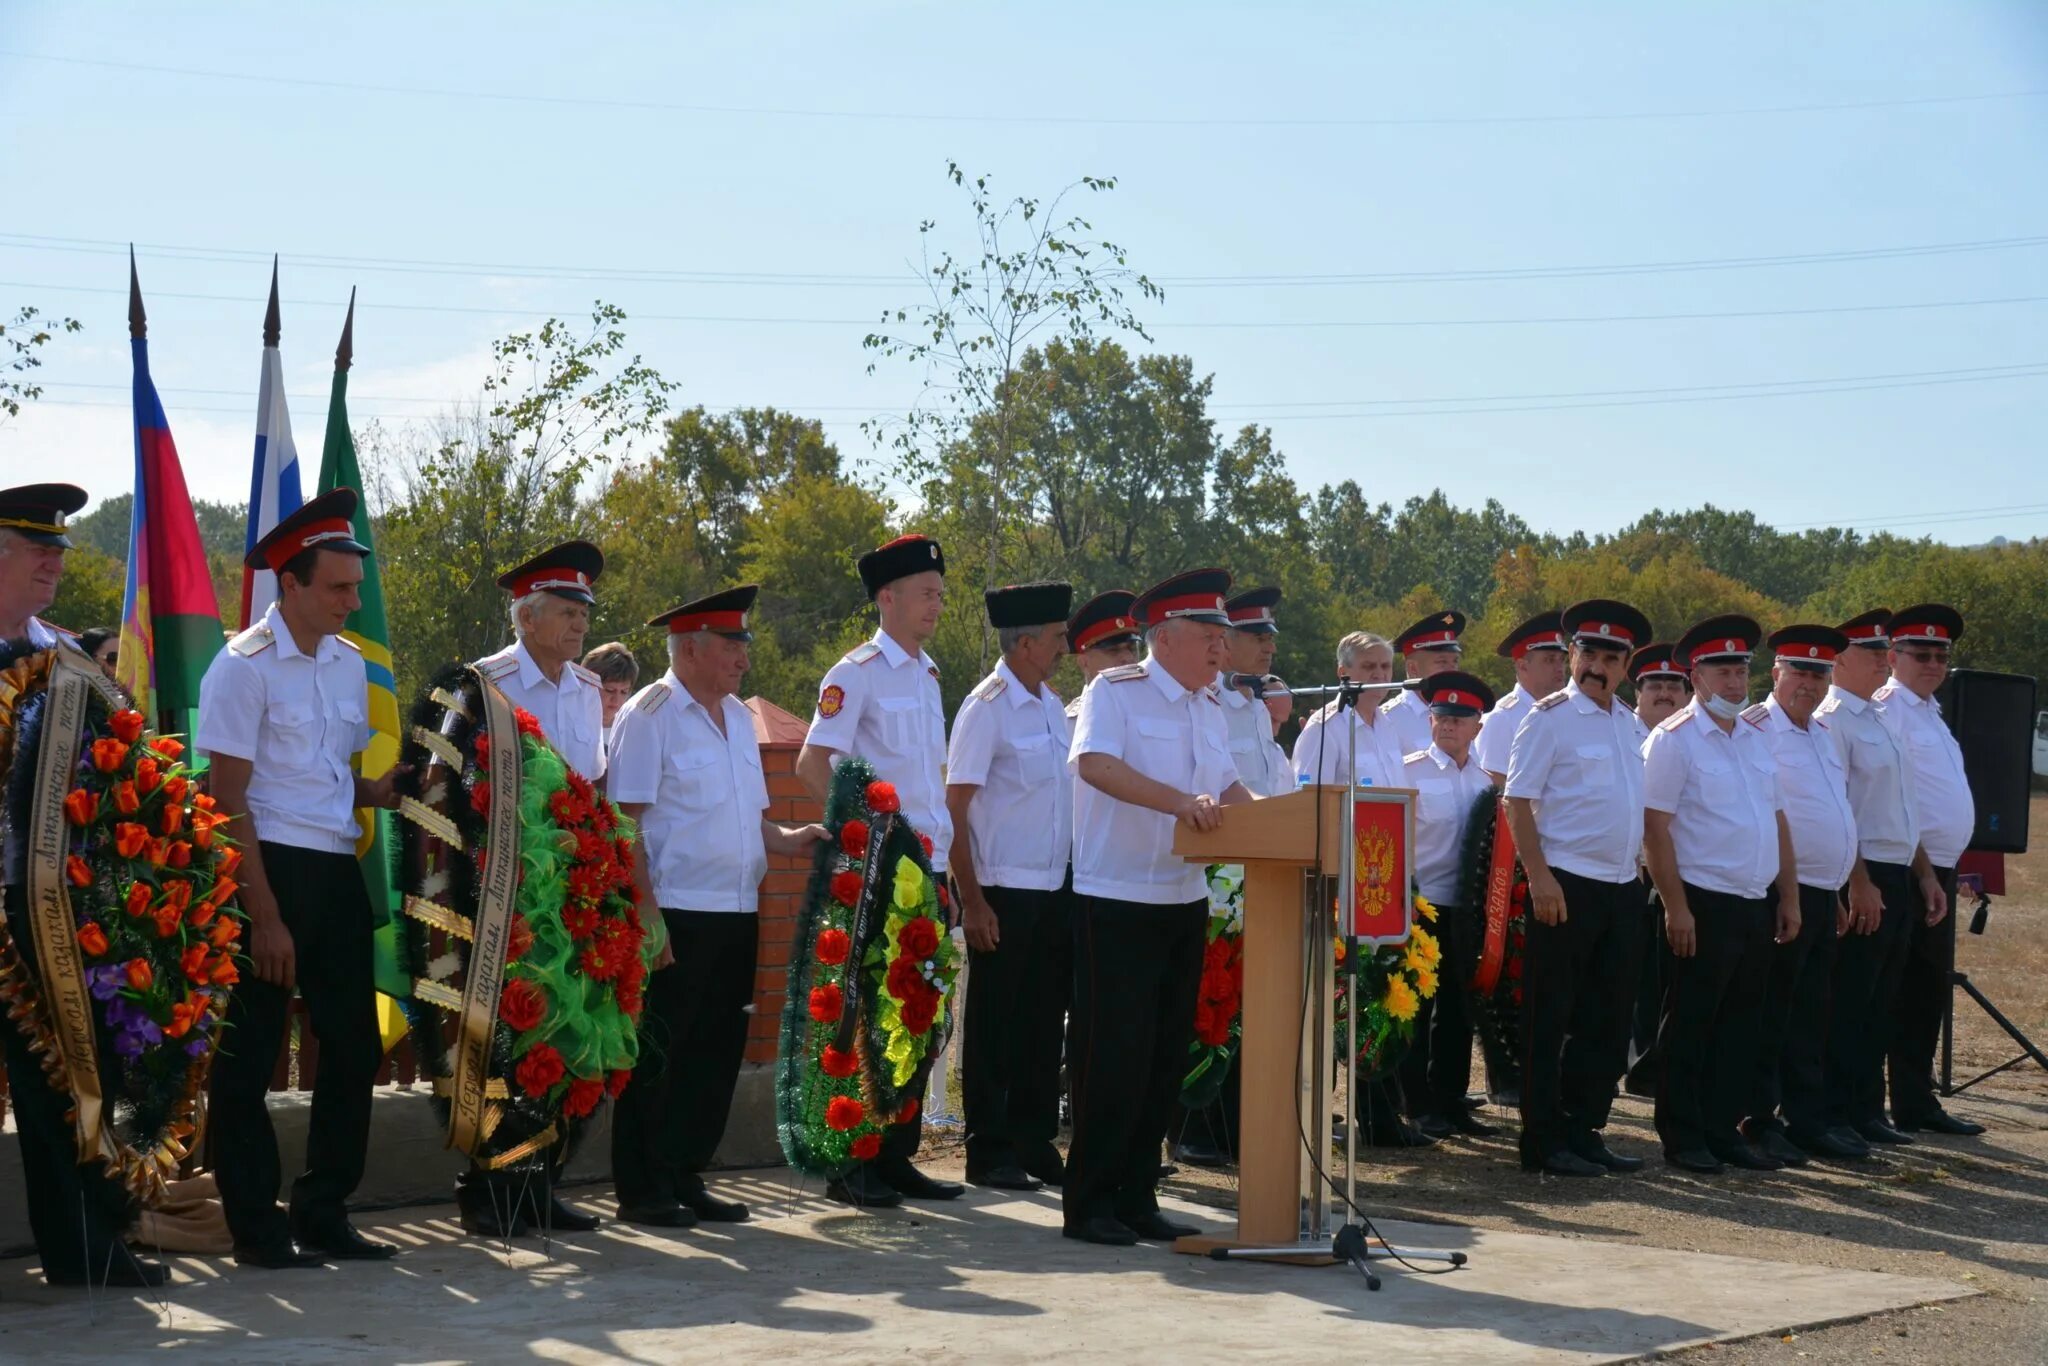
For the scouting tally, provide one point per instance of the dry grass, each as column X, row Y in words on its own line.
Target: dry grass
column 2009, row 961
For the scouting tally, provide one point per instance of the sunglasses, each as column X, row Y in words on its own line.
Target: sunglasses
column 1926, row 656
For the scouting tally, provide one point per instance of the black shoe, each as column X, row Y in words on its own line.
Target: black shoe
column 1746, row 1156
column 1475, row 1100
column 657, row 1214
column 123, row 1268
column 1695, row 1160
column 341, row 1243
column 1877, row 1131
column 1594, row 1149
column 1399, row 1134
column 913, row 1184
column 1102, row 1229
column 486, row 1222
column 1049, row 1168
column 710, row 1209
column 1506, row 1097
column 1465, row 1123
column 1842, row 1144
column 1775, row 1144
column 1157, row 1228
column 1565, row 1162
column 554, row 1216
column 1006, row 1178
column 862, row 1188
column 1201, row 1155
column 1844, row 1136
column 276, row 1256
column 1643, row 1087
column 1942, row 1122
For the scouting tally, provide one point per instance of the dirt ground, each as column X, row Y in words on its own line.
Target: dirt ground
column 1969, row 1210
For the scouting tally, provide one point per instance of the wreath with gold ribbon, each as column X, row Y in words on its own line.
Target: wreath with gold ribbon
column 124, row 980
column 1219, row 1000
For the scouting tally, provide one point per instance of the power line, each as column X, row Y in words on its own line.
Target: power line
column 1065, row 120
column 1917, row 518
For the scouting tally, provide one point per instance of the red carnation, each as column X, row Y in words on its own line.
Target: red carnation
column 882, row 797
column 908, row 1112
column 615, row 1084
column 833, row 946
column 480, row 799
column 580, row 785
column 518, row 938
column 903, row 978
column 846, row 887
column 919, row 939
column 584, row 1094
column 845, row 1113
column 867, row 1147
column 924, row 842
column 1216, row 956
column 521, row 1004
column 920, row 1013
column 539, row 1070
column 836, row 1062
column 853, row 839
column 827, row 1002
column 527, row 723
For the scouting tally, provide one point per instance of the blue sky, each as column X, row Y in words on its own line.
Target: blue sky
column 1248, row 140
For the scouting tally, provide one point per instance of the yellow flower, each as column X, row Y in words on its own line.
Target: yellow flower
column 1425, row 982
column 1400, row 1002
column 909, row 893
column 1424, row 909
column 1339, row 946
column 1423, row 942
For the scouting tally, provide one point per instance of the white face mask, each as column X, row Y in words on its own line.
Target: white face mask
column 1721, row 708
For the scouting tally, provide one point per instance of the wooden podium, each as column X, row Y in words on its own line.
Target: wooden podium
column 1276, row 841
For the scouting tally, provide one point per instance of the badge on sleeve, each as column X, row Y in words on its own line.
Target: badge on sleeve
column 831, row 700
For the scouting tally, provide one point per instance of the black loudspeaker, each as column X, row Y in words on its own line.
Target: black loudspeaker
column 1992, row 718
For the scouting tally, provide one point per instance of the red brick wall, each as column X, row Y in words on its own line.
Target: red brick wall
column 781, row 896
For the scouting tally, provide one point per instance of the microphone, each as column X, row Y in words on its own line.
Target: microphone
column 1256, row 684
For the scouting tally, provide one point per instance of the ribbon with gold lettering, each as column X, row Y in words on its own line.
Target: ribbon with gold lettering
column 497, row 886
column 1500, row 890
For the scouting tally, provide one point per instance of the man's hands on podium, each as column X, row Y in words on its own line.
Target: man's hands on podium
column 1199, row 810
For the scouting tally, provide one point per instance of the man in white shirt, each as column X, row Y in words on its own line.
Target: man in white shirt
column 1152, row 753
column 1349, row 742
column 1430, row 646
column 1447, row 780
column 686, row 768
column 1922, row 638
column 1788, row 1107
column 1103, row 635
column 1575, row 807
column 282, row 712
column 881, row 702
column 1252, row 717
column 1661, row 688
column 1870, row 956
column 1537, row 647
column 1011, row 802
column 1716, row 841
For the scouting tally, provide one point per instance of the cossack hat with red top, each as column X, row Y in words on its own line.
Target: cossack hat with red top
column 1196, row 595
column 1929, row 623
column 899, row 559
column 1028, row 604
column 326, row 523
column 1452, row 693
column 1105, row 619
column 1544, row 631
column 567, row 571
column 722, row 614
column 38, row 511
column 1812, row 648
column 1252, row 610
column 1438, row 631
column 1654, row 661
column 1872, row 629
column 1726, row 639
column 1606, row 623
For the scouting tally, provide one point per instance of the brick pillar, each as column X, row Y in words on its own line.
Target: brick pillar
column 781, row 736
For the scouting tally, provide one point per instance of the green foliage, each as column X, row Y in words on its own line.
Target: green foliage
column 22, row 340
column 89, row 594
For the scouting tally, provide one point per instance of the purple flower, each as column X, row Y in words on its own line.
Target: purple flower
column 128, row 1045
column 196, row 1046
column 105, row 983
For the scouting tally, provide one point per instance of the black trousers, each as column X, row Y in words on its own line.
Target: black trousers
column 1016, row 1009
column 1924, row 991
column 1575, row 1018
column 1137, row 973
column 1865, row 993
column 322, row 901
column 1789, row 1086
column 1643, row 1064
column 1438, row 1068
column 1709, row 1038
column 667, row 1123
column 76, row 1213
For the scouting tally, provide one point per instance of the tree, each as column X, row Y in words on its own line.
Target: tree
column 89, row 594
column 22, row 340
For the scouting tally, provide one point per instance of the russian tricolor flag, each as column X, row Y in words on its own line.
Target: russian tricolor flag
column 274, row 479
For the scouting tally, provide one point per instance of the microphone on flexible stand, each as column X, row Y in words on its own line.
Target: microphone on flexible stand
column 1256, row 684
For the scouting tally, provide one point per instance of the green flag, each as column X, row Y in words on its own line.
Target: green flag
column 366, row 628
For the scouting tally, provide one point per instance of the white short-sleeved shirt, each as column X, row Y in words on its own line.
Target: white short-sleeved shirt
column 1013, row 747
column 1941, row 792
column 1408, row 715
column 1261, row 764
column 43, row 636
column 1323, row 750
column 1721, row 791
column 570, row 710
column 882, row 703
column 1582, row 768
column 1874, row 763
column 1497, row 731
column 298, row 719
column 1815, row 792
column 704, row 792
column 1444, row 796
column 1139, row 714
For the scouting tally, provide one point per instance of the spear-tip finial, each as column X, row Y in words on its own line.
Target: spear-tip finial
column 271, row 328
column 346, row 352
column 138, row 325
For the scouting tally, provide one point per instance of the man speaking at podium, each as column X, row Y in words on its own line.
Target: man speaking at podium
column 1152, row 752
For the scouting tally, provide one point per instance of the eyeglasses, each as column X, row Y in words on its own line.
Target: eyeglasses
column 1926, row 656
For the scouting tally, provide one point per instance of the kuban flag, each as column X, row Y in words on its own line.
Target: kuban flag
column 170, row 621
column 274, row 477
